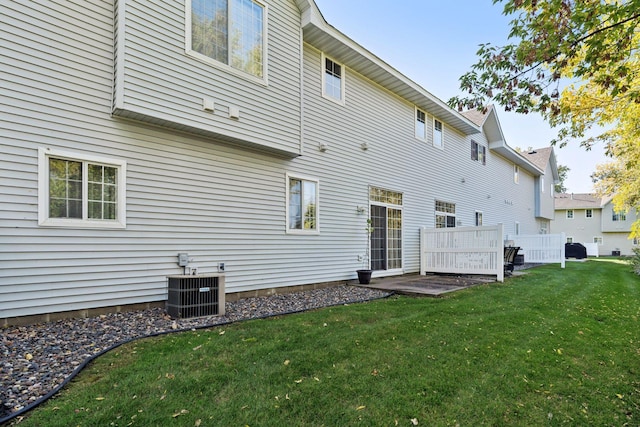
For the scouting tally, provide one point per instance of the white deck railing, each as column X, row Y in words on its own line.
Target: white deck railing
column 463, row 250
column 541, row 248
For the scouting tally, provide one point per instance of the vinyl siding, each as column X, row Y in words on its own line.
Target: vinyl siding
column 157, row 81
column 217, row 201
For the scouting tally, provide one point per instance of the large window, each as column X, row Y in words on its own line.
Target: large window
column 478, row 152
column 421, row 124
column 437, row 133
column 619, row 216
column 302, row 205
column 84, row 191
column 445, row 214
column 332, row 80
column 230, row 32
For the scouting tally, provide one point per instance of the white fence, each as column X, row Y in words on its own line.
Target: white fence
column 463, row 250
column 541, row 248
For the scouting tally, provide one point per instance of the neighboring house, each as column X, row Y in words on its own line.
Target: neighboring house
column 589, row 219
column 131, row 132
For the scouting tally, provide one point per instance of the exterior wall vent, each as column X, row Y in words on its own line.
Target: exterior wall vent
column 196, row 295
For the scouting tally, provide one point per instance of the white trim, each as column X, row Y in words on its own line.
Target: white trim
column 43, row 191
column 516, row 174
column 343, row 73
column 303, row 178
column 573, row 214
column 226, row 67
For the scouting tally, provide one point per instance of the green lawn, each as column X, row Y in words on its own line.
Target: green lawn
column 553, row 347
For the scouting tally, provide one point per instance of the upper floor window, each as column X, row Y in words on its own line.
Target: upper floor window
column 570, row 214
column 542, row 184
column 80, row 191
column 302, row 204
column 588, row 213
column 516, row 174
column 332, row 80
column 478, row 152
column 619, row 216
column 445, row 214
column 421, row 124
column 437, row 133
column 230, row 32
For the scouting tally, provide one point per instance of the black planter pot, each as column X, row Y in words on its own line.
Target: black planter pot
column 364, row 276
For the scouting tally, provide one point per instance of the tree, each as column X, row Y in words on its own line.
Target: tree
column 563, row 171
column 577, row 63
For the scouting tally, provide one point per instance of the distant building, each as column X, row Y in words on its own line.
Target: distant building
column 587, row 218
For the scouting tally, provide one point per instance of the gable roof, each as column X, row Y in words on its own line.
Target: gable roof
column 542, row 157
column 318, row 33
column 577, row 201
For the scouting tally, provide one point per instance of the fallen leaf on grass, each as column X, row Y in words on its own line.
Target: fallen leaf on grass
column 197, row 348
column 198, row 422
column 360, row 408
column 182, row 412
column 286, row 362
column 414, row 421
column 100, row 398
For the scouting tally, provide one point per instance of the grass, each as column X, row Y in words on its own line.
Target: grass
column 554, row 347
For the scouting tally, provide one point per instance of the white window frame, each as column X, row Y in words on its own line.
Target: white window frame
column 289, row 177
column 570, row 214
column 478, row 152
column 618, row 216
column 438, row 142
column 586, row 213
column 445, row 213
column 43, row 190
column 598, row 239
column 569, row 239
column 422, row 136
column 225, row 66
column 542, row 184
column 516, row 174
column 323, row 71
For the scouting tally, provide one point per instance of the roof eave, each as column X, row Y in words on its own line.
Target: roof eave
column 318, row 33
column 501, row 148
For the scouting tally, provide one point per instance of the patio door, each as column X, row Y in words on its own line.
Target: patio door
column 386, row 238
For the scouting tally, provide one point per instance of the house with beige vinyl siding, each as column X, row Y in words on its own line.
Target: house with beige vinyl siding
column 131, row 133
column 589, row 219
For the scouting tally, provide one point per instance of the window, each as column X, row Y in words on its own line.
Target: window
column 570, row 214
column 445, row 214
column 80, row 191
column 636, row 241
column 421, row 125
column 516, row 174
column 437, row 133
column 588, row 213
column 332, row 80
column 597, row 240
column 478, row 152
column 619, row 216
column 302, row 205
column 569, row 239
column 229, row 32
column 542, row 184
column 478, row 219
column 517, row 228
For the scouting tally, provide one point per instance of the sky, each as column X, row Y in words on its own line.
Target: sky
column 434, row 42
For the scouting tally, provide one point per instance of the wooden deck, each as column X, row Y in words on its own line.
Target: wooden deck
column 433, row 285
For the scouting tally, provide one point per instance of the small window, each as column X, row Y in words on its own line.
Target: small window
column 636, row 241
column 619, row 216
column 542, row 184
column 80, row 191
column 421, row 125
column 478, row 219
column 517, row 228
column 478, row 152
column 516, row 174
column 302, row 205
column 437, row 133
column 229, row 32
column 597, row 240
column 570, row 214
column 332, row 80
column 569, row 239
column 445, row 214
column 588, row 213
